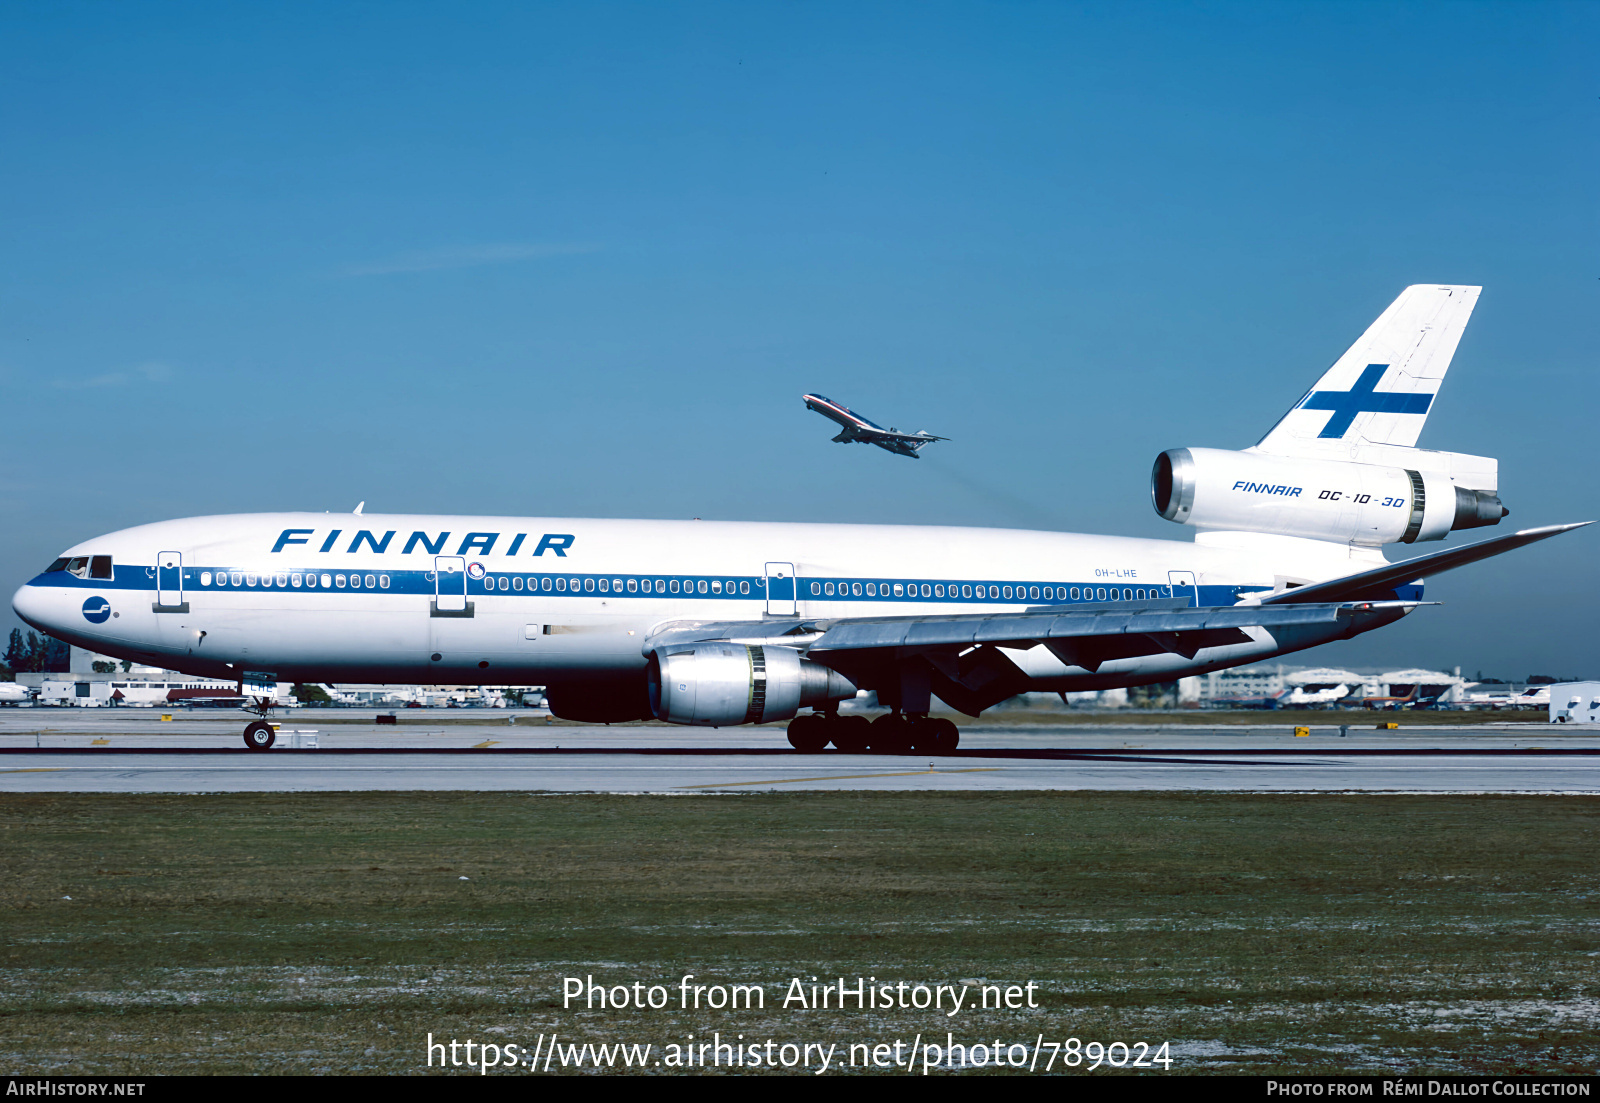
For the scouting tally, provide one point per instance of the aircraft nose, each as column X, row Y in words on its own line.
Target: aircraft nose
column 30, row 603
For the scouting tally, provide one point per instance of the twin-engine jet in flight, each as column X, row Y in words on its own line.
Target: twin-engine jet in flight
column 858, row 430
column 721, row 624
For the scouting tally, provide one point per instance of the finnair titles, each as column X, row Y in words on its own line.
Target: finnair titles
column 726, row 623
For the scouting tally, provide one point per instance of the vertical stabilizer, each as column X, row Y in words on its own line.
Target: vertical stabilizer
column 1381, row 391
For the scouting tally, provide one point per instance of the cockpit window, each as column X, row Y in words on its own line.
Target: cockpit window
column 58, row 565
column 100, row 567
column 78, row 565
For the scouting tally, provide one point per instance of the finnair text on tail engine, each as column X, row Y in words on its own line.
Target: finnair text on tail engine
column 720, row 624
column 1267, row 488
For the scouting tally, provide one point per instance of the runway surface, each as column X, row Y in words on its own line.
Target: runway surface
column 84, row 750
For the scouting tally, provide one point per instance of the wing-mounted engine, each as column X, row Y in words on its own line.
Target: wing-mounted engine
column 721, row 684
column 1418, row 495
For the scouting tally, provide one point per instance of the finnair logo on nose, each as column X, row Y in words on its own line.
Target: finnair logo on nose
column 97, row 610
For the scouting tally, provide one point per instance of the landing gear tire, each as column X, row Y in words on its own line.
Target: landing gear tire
column 927, row 735
column 938, row 736
column 259, row 736
column 852, row 734
column 808, row 734
column 891, row 734
column 916, row 734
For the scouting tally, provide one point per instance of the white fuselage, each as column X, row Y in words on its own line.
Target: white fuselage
column 539, row 601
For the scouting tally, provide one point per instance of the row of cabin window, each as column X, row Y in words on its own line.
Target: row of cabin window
column 619, row 585
column 294, row 581
column 715, row 586
column 842, row 589
column 1008, row 593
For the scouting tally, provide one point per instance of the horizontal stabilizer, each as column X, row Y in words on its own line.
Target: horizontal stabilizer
column 1378, row 585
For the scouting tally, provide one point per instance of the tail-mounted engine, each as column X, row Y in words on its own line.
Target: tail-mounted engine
column 1355, row 503
column 724, row 684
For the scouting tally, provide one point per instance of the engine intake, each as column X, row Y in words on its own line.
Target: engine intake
column 1355, row 503
column 724, row 684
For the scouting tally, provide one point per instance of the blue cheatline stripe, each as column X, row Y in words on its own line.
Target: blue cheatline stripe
column 699, row 587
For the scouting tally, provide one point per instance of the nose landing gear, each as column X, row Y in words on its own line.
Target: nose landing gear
column 258, row 735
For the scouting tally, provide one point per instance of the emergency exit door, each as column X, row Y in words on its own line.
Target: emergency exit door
column 1182, row 583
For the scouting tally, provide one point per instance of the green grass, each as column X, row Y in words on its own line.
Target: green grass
column 293, row 933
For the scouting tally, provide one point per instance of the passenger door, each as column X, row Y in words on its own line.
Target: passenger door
column 450, row 584
column 780, row 590
column 169, row 583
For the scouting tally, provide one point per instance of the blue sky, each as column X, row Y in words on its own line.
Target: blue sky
column 583, row 260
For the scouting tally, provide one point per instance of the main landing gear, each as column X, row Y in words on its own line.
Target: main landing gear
column 896, row 733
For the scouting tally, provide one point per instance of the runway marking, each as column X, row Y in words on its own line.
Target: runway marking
column 488, row 743
column 844, row 777
column 38, row 770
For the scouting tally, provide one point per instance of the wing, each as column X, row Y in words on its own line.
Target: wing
column 905, row 438
column 1380, row 584
column 970, row 671
column 895, row 446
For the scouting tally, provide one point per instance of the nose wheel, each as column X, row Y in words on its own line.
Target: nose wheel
column 258, row 735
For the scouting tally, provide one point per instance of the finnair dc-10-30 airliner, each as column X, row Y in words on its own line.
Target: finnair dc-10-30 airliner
column 725, row 623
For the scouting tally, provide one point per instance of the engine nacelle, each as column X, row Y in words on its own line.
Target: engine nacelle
column 724, row 684
column 1352, row 503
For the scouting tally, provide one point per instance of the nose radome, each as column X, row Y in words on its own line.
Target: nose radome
column 29, row 603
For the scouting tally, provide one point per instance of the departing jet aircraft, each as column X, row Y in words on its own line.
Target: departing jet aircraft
column 858, row 430
column 721, row 624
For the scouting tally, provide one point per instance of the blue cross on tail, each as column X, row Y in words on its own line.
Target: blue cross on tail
column 1363, row 398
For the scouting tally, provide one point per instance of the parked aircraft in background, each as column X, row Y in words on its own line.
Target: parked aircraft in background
column 858, row 430
column 1534, row 697
column 13, row 694
column 721, row 624
column 1397, row 701
column 1314, row 696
